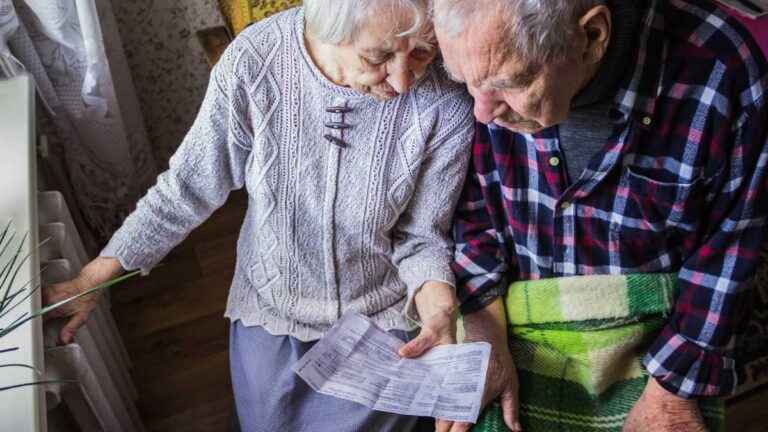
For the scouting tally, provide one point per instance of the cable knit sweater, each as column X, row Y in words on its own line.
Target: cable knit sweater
column 350, row 199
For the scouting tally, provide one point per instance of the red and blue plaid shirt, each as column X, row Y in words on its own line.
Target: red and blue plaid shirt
column 679, row 187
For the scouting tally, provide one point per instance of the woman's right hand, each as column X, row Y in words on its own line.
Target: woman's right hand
column 98, row 271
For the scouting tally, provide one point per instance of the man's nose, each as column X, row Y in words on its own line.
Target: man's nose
column 401, row 77
column 485, row 107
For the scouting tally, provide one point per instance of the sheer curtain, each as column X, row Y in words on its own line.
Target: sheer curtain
column 98, row 152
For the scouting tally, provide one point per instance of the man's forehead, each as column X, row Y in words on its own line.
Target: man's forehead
column 487, row 66
column 482, row 52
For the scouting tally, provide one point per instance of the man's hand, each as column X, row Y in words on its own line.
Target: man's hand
column 490, row 325
column 438, row 307
column 658, row 410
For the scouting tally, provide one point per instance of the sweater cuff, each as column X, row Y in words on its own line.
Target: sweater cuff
column 415, row 280
column 129, row 259
column 686, row 369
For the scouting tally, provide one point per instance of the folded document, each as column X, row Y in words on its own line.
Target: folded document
column 358, row 361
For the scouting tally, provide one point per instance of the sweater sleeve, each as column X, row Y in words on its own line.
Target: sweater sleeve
column 423, row 249
column 208, row 165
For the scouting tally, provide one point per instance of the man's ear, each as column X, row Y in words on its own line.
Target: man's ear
column 597, row 26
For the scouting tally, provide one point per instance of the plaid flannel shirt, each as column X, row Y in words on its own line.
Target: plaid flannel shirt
column 679, row 187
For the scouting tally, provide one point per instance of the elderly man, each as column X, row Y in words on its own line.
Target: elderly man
column 619, row 168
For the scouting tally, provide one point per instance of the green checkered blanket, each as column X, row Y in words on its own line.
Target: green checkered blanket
column 577, row 344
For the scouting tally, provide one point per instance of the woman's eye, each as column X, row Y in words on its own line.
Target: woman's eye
column 376, row 61
column 421, row 54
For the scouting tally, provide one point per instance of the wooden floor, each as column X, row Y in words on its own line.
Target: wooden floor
column 173, row 326
column 177, row 337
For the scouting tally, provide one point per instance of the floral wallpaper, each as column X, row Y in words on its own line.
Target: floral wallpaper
column 240, row 13
column 752, row 346
column 167, row 63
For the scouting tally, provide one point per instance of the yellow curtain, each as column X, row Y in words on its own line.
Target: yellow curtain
column 240, row 13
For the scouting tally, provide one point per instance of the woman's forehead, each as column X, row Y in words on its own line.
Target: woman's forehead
column 387, row 24
column 382, row 39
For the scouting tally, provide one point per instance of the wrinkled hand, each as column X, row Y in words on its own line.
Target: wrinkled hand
column 78, row 310
column 501, row 382
column 96, row 272
column 438, row 307
column 658, row 410
column 490, row 325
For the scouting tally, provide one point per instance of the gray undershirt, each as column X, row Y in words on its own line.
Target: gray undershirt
column 583, row 134
column 589, row 124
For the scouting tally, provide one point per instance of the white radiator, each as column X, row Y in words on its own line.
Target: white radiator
column 101, row 397
column 104, row 398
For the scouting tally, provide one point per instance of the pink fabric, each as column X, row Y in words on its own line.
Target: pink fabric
column 758, row 27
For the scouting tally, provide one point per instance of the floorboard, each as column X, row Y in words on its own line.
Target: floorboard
column 173, row 325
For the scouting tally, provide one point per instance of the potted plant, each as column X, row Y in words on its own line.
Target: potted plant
column 11, row 261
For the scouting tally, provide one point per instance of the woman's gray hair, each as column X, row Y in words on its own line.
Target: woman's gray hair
column 338, row 21
column 537, row 31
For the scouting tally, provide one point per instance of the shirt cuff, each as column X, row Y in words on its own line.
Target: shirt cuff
column 688, row 370
column 480, row 301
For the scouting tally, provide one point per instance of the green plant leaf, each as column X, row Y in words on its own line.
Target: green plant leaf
column 5, row 243
column 5, row 232
column 17, row 292
column 22, row 300
column 6, row 298
column 37, row 371
column 38, row 383
column 30, row 294
column 49, row 308
column 18, row 318
column 5, row 282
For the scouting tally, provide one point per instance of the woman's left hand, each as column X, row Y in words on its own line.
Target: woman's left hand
column 437, row 306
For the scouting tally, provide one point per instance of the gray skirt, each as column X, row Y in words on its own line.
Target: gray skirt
column 271, row 398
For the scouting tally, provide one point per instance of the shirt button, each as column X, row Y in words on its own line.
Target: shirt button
column 647, row 121
column 554, row 161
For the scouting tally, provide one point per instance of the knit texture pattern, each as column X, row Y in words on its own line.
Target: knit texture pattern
column 353, row 217
column 577, row 343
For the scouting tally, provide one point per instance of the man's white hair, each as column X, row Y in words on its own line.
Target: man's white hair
column 535, row 30
column 338, row 21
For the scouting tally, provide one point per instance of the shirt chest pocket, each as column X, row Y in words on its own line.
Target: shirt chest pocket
column 646, row 203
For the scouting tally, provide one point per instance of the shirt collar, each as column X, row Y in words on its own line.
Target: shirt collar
column 627, row 17
column 640, row 90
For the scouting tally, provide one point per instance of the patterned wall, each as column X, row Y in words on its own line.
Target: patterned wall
column 239, row 13
column 752, row 347
column 167, row 63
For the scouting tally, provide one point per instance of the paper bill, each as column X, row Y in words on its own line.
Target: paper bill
column 358, row 361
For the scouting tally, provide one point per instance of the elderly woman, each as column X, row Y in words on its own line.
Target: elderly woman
column 353, row 150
